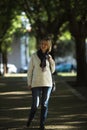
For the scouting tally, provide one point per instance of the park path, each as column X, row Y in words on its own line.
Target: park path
column 67, row 109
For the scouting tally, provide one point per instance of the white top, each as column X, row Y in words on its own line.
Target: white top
column 35, row 76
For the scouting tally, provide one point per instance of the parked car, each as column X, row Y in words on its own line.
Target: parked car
column 11, row 68
column 65, row 67
column 23, row 69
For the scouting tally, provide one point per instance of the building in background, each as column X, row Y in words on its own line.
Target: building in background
column 20, row 47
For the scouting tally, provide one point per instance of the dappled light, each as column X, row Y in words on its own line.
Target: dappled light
column 14, row 93
column 20, row 108
column 22, row 26
column 66, row 110
column 60, row 127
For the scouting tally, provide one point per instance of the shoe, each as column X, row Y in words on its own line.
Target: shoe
column 28, row 124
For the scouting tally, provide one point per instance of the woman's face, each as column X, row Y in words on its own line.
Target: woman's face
column 44, row 46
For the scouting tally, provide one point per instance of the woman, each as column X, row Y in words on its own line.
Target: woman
column 40, row 80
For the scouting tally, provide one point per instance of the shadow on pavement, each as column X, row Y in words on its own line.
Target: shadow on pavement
column 66, row 110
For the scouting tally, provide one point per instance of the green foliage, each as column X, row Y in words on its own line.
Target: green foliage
column 65, row 36
column 6, row 16
column 65, row 48
column 65, row 45
column 57, row 18
column 15, row 24
column 44, row 16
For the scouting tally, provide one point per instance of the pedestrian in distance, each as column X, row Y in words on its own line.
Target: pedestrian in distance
column 39, row 77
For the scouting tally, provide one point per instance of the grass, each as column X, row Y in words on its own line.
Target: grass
column 67, row 74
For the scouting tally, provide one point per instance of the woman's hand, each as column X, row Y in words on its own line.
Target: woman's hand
column 50, row 58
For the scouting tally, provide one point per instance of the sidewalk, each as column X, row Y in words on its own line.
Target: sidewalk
column 67, row 109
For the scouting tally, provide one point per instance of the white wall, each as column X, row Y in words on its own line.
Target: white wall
column 14, row 57
column 18, row 56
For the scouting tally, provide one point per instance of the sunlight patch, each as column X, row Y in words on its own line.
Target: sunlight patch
column 14, row 93
column 60, row 127
column 76, row 122
column 20, row 108
column 16, row 75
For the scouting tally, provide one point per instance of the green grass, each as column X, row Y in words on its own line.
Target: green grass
column 67, row 74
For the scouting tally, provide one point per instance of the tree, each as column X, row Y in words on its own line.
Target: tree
column 65, row 46
column 77, row 17
column 6, row 16
column 48, row 16
column 44, row 17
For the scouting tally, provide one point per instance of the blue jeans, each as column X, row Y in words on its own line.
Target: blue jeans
column 38, row 93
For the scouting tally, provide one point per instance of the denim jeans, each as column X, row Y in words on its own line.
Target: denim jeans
column 40, row 94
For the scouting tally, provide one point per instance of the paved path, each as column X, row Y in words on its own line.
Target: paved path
column 67, row 109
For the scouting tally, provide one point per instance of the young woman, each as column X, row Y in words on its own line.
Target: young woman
column 40, row 80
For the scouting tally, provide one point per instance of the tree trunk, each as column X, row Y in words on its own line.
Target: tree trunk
column 81, row 60
column 4, row 60
column 0, row 62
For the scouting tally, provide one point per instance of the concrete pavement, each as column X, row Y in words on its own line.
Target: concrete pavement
column 67, row 108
